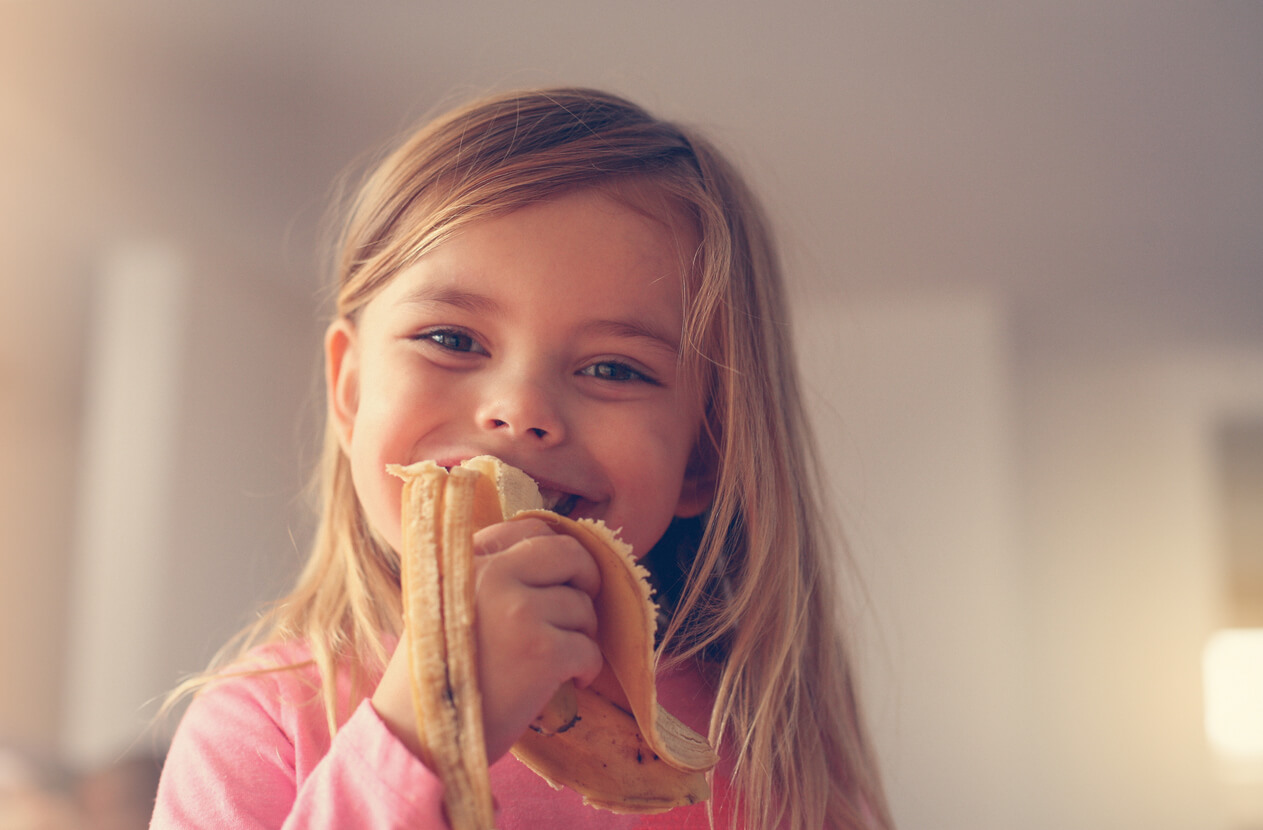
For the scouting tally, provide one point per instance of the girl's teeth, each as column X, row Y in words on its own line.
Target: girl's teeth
column 558, row 501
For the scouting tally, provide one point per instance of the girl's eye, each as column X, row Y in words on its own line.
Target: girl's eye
column 614, row 371
column 453, row 340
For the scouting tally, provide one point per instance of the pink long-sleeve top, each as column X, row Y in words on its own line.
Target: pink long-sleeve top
column 255, row 752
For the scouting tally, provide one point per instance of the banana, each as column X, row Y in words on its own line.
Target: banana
column 611, row 742
column 560, row 713
column 437, row 581
column 605, row 758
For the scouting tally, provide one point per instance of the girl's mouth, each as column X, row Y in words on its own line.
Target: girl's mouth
column 555, row 499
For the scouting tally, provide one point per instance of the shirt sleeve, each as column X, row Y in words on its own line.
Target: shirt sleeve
column 232, row 765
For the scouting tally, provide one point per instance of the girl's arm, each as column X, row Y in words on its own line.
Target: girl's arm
column 238, row 759
column 251, row 751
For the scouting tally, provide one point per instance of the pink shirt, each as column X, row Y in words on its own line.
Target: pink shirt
column 255, row 752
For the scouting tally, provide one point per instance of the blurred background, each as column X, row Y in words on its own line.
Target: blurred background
column 1026, row 245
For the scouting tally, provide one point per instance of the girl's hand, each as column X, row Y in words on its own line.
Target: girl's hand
column 535, row 630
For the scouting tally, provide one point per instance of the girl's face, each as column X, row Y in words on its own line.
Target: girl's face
column 548, row 337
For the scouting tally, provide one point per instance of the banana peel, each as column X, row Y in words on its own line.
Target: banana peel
column 611, row 742
column 437, row 570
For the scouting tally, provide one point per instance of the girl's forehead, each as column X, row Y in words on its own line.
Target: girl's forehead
column 586, row 244
column 432, row 227
column 654, row 200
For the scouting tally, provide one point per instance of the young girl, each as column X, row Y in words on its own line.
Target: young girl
column 558, row 279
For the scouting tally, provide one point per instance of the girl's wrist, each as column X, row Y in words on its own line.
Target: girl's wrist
column 402, row 727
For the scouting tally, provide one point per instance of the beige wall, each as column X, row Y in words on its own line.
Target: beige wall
column 913, row 404
column 1123, row 518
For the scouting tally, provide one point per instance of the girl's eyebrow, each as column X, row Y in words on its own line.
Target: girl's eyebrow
column 631, row 328
column 636, row 329
column 451, row 296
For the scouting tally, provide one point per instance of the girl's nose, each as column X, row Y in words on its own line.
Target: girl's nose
column 520, row 408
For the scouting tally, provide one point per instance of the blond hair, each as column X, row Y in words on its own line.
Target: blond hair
column 762, row 587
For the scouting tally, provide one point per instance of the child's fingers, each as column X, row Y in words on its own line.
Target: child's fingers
column 535, row 555
column 515, row 691
column 536, row 622
column 586, row 659
column 503, row 535
column 518, row 609
column 569, row 609
column 530, row 640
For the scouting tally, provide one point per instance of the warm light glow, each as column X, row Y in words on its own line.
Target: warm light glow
column 1232, row 667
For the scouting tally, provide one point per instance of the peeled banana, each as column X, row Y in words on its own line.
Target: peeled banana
column 611, row 742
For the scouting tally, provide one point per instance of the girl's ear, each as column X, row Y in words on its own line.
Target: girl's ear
column 698, row 487
column 342, row 379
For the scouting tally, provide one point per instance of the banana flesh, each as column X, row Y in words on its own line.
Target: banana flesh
column 611, row 742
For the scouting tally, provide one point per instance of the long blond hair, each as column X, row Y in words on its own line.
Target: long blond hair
column 762, row 587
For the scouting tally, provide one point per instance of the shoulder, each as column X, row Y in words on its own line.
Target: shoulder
column 286, row 654
column 253, row 692
column 254, row 747
column 266, row 678
column 262, row 716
